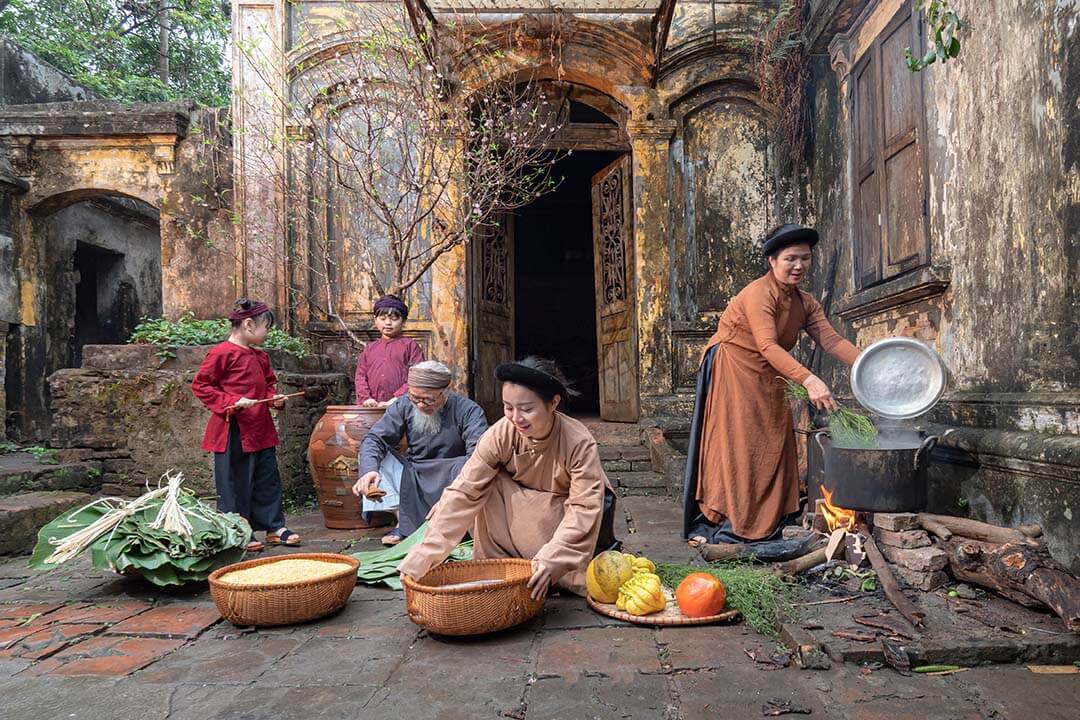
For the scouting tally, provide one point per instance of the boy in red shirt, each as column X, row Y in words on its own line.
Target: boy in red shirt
column 231, row 381
column 382, row 371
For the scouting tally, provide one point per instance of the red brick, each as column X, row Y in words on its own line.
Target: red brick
column 169, row 621
column 105, row 614
column 903, row 538
column 22, row 612
column 924, row 560
column 12, row 635
column 49, row 640
column 106, row 656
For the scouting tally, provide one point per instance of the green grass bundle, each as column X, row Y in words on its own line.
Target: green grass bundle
column 846, row 427
column 763, row 597
column 167, row 535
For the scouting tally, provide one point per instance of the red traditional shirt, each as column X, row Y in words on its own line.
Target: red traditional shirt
column 228, row 373
column 382, row 372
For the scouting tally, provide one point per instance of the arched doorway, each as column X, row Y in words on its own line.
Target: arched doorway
column 555, row 278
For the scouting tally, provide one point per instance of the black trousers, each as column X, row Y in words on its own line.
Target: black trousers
column 248, row 483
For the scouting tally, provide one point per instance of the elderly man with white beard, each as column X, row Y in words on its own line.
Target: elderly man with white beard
column 442, row 429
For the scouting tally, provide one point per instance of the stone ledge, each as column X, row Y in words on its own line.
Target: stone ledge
column 920, row 284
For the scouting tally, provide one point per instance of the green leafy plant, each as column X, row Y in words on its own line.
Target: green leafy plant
column 763, row 597
column 943, row 24
column 190, row 331
column 846, row 427
column 44, row 455
column 6, row 448
column 116, row 49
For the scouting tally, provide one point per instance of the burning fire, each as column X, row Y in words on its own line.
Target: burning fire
column 836, row 517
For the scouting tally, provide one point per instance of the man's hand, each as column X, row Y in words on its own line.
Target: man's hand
column 820, row 395
column 370, row 403
column 386, row 404
column 367, row 482
column 540, row 580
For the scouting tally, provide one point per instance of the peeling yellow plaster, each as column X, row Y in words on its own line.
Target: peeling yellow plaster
column 27, row 291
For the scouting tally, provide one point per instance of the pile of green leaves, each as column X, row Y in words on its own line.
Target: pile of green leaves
column 163, row 558
column 846, row 427
column 190, row 331
column 763, row 597
column 380, row 567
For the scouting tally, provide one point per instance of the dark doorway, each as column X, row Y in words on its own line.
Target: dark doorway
column 106, row 305
column 554, row 278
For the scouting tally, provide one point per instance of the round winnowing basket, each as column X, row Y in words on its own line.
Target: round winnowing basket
column 472, row 597
column 285, row 604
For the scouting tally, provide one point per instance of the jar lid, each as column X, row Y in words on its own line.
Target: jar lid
column 898, row 378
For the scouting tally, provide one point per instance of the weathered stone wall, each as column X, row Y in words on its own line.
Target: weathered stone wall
column 999, row 299
column 199, row 259
column 26, row 78
column 136, row 414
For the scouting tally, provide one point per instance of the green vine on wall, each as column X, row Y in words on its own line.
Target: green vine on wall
column 943, row 24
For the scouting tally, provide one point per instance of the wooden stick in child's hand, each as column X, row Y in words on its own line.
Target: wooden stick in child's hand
column 266, row 400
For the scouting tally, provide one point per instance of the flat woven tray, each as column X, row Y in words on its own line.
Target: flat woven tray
column 670, row 615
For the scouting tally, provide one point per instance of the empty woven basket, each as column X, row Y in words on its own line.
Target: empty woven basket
column 499, row 600
column 286, row 604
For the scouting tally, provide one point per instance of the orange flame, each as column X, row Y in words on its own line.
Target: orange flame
column 836, row 517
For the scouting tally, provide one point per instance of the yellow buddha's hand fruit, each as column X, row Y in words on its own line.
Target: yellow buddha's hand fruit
column 606, row 574
column 642, row 564
column 642, row 595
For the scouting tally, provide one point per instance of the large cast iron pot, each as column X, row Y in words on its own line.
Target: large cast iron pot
column 891, row 478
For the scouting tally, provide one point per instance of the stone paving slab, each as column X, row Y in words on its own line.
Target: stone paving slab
column 222, row 662
column 369, row 661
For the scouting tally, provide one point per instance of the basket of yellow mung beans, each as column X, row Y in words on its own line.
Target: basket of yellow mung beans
column 283, row 590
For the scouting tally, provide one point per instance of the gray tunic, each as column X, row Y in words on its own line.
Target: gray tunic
column 432, row 461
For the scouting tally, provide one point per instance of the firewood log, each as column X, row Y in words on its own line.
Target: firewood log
column 977, row 530
column 1017, row 570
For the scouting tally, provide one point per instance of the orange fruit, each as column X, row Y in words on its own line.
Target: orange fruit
column 700, row 595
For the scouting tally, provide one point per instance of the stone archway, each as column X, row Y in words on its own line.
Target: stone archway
column 86, row 231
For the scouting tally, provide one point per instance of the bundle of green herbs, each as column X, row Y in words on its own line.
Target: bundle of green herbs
column 167, row 535
column 846, row 427
column 763, row 597
column 380, row 567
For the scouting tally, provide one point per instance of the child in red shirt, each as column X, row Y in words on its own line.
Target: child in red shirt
column 233, row 377
column 382, row 370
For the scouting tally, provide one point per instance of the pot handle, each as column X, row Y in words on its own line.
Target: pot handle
column 817, row 437
column 923, row 453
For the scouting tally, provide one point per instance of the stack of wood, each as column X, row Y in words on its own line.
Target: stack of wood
column 1010, row 561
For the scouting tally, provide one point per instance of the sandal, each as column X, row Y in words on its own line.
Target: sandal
column 284, row 536
column 254, row 546
column 392, row 538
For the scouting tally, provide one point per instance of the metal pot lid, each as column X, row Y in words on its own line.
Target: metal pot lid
column 898, row 378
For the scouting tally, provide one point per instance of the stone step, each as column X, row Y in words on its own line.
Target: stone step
column 639, row 482
column 22, row 472
column 625, row 458
column 23, row 514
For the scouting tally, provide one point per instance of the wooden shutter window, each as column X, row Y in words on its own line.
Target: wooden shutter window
column 891, row 234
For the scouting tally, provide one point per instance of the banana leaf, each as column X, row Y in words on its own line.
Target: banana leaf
column 163, row 558
column 380, row 567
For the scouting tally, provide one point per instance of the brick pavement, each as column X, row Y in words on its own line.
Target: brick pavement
column 76, row 643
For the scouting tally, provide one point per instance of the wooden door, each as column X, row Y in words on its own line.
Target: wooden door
column 616, row 326
column 492, row 273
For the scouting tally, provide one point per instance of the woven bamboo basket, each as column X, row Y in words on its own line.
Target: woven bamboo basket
column 284, row 604
column 474, row 610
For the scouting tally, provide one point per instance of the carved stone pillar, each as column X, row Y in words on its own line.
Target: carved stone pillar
column 650, row 141
column 259, row 148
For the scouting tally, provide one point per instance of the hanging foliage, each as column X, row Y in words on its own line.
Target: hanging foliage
column 782, row 69
column 943, row 24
